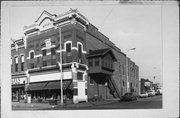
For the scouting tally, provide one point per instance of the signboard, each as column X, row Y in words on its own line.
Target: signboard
column 147, row 83
column 16, row 81
column 50, row 77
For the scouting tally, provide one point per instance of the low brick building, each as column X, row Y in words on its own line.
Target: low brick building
column 146, row 85
column 92, row 65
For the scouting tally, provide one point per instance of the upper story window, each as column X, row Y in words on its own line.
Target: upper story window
column 123, row 83
column 16, row 64
column 96, row 61
column 44, row 52
column 22, row 62
column 79, row 50
column 68, row 47
column 123, row 70
column 119, row 67
column 53, row 51
column 31, row 55
column 90, row 62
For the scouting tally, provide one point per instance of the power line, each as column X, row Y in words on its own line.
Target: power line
column 107, row 16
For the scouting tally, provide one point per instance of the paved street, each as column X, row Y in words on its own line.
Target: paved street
column 143, row 103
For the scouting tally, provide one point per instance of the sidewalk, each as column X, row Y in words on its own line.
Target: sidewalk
column 36, row 106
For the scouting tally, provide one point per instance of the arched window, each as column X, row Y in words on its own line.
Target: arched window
column 31, row 54
column 16, row 63
column 22, row 62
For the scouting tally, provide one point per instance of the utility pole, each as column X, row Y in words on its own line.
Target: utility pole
column 60, row 65
column 127, row 71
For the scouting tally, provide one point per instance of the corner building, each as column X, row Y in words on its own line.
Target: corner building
column 92, row 66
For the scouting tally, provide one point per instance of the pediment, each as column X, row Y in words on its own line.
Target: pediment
column 43, row 15
column 45, row 21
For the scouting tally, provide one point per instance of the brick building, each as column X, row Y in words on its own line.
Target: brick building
column 92, row 65
column 145, row 85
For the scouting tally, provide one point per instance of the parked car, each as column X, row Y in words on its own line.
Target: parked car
column 159, row 92
column 128, row 97
column 143, row 95
column 151, row 93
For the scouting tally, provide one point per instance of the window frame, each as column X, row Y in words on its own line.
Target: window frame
column 81, row 73
column 22, row 62
column 31, row 54
column 78, row 49
column 43, row 53
column 16, row 63
column 68, row 48
column 96, row 61
column 90, row 61
column 53, row 51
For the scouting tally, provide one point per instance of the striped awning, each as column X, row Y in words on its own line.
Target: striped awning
column 49, row 85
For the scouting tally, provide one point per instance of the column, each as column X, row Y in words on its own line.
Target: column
column 75, row 87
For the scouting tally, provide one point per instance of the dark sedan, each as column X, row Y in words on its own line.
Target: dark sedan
column 128, row 97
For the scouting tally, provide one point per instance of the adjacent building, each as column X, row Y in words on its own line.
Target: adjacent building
column 146, row 85
column 92, row 66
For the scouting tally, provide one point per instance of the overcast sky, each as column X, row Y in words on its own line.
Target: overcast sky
column 127, row 26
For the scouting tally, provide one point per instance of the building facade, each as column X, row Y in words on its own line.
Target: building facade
column 146, row 85
column 92, row 66
column 18, row 69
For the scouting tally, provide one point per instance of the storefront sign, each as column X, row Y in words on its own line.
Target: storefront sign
column 50, row 77
column 147, row 83
column 16, row 81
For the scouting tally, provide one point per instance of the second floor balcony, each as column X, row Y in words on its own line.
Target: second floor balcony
column 101, row 61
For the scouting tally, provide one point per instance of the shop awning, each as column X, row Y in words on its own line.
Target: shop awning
column 49, row 85
column 18, row 86
column 36, row 86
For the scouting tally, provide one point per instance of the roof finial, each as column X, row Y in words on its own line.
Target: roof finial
column 73, row 10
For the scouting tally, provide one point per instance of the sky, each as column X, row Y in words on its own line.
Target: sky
column 127, row 26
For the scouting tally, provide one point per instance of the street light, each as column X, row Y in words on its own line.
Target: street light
column 60, row 61
column 127, row 70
